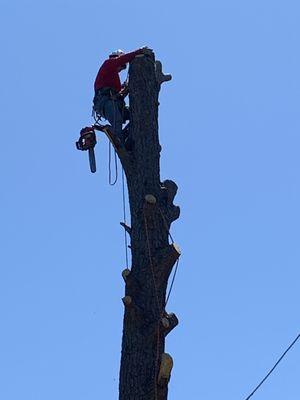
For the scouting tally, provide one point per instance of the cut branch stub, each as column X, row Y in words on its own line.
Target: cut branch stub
column 160, row 76
column 171, row 321
column 170, row 189
column 125, row 274
column 126, row 227
column 165, row 322
column 165, row 260
column 127, row 300
column 166, row 365
column 176, row 249
column 174, row 213
column 150, row 199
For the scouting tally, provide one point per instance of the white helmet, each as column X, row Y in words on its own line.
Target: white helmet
column 117, row 53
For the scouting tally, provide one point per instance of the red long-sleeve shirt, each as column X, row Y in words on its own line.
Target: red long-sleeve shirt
column 108, row 74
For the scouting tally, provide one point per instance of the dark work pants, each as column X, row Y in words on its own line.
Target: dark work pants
column 109, row 109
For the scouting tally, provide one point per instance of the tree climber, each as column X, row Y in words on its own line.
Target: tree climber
column 109, row 93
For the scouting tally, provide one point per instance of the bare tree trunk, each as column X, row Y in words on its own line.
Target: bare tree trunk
column 145, row 368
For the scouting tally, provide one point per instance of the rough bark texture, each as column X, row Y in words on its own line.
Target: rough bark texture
column 153, row 258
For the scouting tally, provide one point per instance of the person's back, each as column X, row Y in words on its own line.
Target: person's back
column 108, row 76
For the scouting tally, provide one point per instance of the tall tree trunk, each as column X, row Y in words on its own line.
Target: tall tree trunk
column 145, row 368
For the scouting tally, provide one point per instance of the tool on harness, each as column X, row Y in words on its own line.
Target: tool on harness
column 87, row 141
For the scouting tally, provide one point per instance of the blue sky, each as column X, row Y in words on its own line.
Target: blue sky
column 229, row 128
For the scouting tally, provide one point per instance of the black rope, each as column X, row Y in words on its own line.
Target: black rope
column 116, row 162
column 112, row 183
column 166, row 225
column 160, row 310
column 151, row 264
column 177, row 262
column 124, row 217
column 272, row 369
column 172, row 282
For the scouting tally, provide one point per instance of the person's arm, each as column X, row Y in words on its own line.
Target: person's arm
column 126, row 58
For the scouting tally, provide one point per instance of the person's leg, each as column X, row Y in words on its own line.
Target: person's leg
column 127, row 140
column 99, row 102
column 125, row 113
column 114, row 116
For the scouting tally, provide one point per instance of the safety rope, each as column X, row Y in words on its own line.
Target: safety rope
column 157, row 360
column 160, row 311
column 96, row 116
column 151, row 262
column 172, row 282
column 166, row 225
column 177, row 262
column 110, row 181
column 124, row 218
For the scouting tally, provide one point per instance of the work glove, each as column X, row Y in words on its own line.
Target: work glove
column 124, row 90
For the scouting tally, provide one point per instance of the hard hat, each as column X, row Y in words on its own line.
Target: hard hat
column 117, row 53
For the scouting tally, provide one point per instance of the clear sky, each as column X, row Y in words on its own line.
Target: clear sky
column 229, row 128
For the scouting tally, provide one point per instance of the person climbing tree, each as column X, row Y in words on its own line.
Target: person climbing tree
column 109, row 95
column 145, row 368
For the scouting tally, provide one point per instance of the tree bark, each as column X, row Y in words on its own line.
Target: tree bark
column 142, row 375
